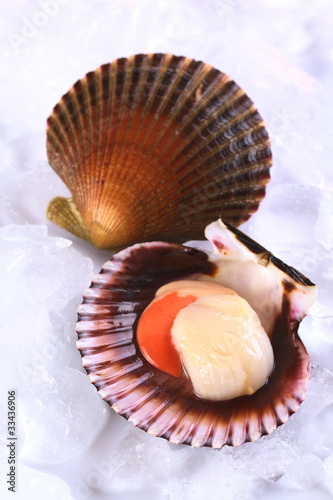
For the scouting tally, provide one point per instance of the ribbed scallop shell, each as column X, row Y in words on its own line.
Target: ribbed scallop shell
column 155, row 147
column 164, row 405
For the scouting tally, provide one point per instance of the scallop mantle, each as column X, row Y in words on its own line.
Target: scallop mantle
column 166, row 406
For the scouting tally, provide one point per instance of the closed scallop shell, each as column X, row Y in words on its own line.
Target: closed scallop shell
column 167, row 406
column 155, row 147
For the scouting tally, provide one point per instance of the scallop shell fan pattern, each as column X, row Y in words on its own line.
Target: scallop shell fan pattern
column 154, row 147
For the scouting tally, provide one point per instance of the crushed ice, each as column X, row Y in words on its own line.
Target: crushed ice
column 71, row 445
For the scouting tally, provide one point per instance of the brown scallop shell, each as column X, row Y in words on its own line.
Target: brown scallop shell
column 155, row 147
column 167, row 406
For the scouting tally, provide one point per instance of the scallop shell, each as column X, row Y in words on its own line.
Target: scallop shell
column 167, row 406
column 155, row 147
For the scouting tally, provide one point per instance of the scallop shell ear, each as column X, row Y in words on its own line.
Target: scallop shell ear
column 64, row 212
column 155, row 147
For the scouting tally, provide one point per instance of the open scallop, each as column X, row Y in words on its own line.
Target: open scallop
column 166, row 405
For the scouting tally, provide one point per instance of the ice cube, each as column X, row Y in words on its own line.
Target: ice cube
column 37, row 485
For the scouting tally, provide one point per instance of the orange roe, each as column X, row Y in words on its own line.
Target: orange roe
column 154, row 332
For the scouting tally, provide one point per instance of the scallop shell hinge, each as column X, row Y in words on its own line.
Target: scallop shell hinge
column 155, row 147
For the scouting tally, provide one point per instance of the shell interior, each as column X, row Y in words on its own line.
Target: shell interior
column 167, row 406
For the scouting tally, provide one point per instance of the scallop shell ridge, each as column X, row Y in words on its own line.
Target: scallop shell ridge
column 155, row 147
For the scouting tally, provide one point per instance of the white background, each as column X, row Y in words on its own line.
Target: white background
column 70, row 444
